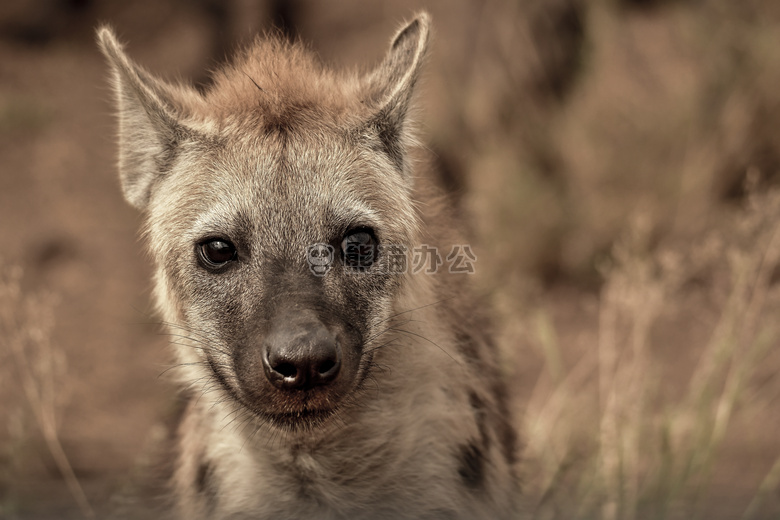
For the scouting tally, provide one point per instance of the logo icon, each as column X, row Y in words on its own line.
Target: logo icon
column 320, row 257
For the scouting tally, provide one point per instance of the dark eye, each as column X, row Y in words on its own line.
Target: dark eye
column 359, row 248
column 216, row 252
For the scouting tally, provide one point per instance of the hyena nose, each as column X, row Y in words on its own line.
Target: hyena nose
column 301, row 356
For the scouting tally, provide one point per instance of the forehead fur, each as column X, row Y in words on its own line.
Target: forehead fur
column 279, row 85
column 275, row 94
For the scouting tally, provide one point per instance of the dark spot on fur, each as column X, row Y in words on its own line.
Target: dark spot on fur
column 471, row 465
column 390, row 136
column 205, row 483
column 467, row 344
column 481, row 417
column 498, row 421
column 220, row 377
column 202, row 479
column 505, row 431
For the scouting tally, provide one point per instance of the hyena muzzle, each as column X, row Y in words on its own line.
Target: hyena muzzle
column 326, row 376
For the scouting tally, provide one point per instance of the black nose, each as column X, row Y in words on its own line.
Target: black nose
column 300, row 355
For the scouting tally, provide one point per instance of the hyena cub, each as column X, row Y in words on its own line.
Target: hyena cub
column 326, row 377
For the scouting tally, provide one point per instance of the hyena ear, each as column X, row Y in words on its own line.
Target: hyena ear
column 149, row 121
column 391, row 85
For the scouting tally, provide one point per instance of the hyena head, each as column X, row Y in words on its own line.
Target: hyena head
column 269, row 199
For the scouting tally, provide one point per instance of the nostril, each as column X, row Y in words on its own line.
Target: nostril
column 285, row 369
column 326, row 366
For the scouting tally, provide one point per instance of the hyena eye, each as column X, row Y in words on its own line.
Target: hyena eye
column 359, row 248
column 216, row 252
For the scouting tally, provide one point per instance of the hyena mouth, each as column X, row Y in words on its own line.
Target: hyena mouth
column 303, row 410
column 305, row 419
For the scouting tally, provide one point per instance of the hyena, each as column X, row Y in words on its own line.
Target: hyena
column 325, row 377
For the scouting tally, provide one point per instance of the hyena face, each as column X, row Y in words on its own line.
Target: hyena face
column 288, row 344
column 239, row 183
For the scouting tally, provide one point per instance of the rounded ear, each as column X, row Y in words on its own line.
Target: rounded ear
column 391, row 85
column 150, row 127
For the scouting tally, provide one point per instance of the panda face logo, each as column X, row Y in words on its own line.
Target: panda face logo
column 319, row 258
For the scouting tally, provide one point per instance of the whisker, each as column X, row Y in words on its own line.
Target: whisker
column 419, row 308
column 429, row 341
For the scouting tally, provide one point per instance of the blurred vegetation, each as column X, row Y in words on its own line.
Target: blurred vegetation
column 660, row 106
column 617, row 160
column 615, row 435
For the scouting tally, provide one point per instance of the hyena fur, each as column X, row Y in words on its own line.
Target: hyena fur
column 369, row 392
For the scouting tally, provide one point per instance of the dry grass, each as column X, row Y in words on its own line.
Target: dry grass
column 605, row 438
column 31, row 365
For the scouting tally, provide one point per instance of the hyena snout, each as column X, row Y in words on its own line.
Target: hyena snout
column 300, row 353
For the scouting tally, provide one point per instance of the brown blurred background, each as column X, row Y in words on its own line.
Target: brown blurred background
column 559, row 126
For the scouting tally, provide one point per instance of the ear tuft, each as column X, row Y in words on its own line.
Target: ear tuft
column 391, row 85
column 108, row 43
